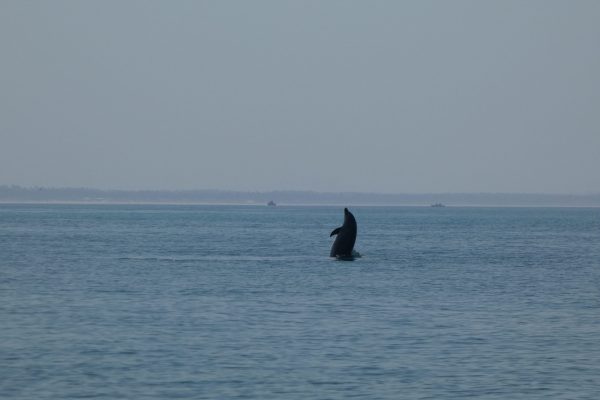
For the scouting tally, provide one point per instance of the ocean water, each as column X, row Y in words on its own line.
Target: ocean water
column 236, row 302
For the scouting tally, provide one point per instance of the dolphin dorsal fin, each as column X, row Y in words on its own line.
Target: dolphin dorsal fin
column 335, row 231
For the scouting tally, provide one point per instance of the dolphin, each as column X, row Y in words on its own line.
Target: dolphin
column 346, row 236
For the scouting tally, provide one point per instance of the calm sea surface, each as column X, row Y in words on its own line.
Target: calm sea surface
column 228, row 302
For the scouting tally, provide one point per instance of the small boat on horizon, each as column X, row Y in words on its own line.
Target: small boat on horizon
column 271, row 203
column 438, row 205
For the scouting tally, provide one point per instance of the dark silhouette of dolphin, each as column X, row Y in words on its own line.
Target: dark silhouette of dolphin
column 346, row 236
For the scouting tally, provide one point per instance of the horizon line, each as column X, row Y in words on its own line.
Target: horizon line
column 37, row 187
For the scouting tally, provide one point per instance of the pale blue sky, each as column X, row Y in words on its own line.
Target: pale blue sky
column 385, row 96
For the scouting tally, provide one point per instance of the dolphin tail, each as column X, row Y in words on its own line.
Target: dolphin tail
column 335, row 231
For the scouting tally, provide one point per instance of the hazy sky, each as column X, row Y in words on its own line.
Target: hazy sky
column 385, row 96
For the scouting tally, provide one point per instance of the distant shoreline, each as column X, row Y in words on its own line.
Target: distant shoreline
column 91, row 203
column 37, row 195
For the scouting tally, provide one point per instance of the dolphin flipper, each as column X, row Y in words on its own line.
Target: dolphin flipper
column 335, row 231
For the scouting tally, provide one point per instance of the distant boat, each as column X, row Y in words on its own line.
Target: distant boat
column 437, row 205
column 271, row 203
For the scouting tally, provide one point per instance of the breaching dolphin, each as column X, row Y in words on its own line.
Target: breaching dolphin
column 346, row 236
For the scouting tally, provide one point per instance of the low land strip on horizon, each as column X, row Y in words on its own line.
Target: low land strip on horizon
column 19, row 194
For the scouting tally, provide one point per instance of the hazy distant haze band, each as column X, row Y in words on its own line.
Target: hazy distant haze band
column 87, row 195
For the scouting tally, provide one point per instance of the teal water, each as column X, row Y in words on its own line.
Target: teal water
column 218, row 302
